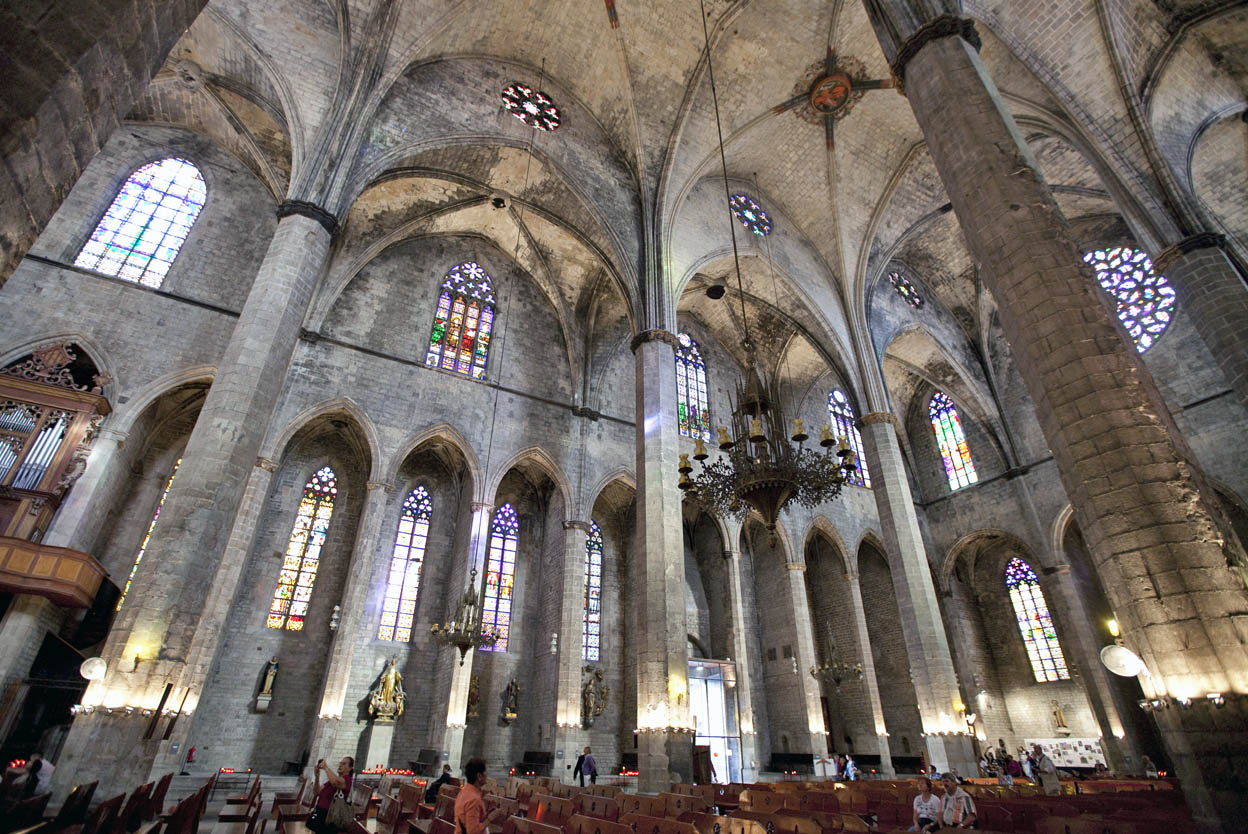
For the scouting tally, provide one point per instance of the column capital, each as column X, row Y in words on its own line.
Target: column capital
column 373, row 486
column 654, row 336
column 881, row 417
column 795, row 566
column 478, row 506
column 1168, row 256
column 946, row 25
column 115, row 435
column 729, row 555
column 572, row 524
column 266, row 464
column 311, row 211
column 851, row 577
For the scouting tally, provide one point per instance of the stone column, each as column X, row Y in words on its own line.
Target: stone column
column 22, row 629
column 665, row 752
column 742, row 654
column 570, row 733
column 869, row 680
column 1212, row 292
column 931, row 664
column 82, row 512
column 163, row 619
column 1140, row 501
column 805, row 656
column 73, row 71
column 353, row 632
column 449, row 737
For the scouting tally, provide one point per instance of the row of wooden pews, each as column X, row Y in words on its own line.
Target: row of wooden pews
column 120, row 814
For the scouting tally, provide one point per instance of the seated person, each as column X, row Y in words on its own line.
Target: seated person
column 926, row 808
column 431, row 792
column 957, row 809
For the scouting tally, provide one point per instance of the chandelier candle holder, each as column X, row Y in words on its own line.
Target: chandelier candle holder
column 836, row 672
column 762, row 467
column 466, row 630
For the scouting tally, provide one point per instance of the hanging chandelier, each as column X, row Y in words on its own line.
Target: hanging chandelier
column 466, row 631
column 760, row 469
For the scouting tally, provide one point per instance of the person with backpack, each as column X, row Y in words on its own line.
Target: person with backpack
column 332, row 812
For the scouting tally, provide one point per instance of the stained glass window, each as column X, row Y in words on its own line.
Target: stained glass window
column 303, row 552
column 1145, row 300
column 398, row 608
column 463, row 321
column 959, row 467
column 591, row 627
column 1034, row 622
column 134, row 569
column 533, row 107
column 691, row 398
column 841, row 416
column 751, row 214
column 147, row 223
column 500, row 576
column 905, row 289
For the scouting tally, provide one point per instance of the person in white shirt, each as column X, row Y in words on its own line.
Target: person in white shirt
column 957, row 809
column 1046, row 772
column 926, row 808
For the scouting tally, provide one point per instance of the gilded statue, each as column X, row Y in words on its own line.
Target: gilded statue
column 387, row 699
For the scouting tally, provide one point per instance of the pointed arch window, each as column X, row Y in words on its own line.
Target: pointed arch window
column 1144, row 299
column 692, row 407
column 463, row 322
column 841, row 416
column 500, row 576
column 959, row 467
column 591, row 626
column 398, row 607
column 134, row 569
column 147, row 223
column 1034, row 623
column 303, row 552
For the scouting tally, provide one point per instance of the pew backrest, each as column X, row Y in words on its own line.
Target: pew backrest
column 675, row 804
column 550, row 810
column 645, row 824
column 587, row 804
column 581, row 824
column 647, row 806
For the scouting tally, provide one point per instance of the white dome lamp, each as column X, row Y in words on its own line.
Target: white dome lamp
column 1120, row 660
column 93, row 668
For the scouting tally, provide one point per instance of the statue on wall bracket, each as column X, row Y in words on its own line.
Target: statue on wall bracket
column 266, row 688
column 594, row 695
column 511, row 701
column 474, row 696
column 387, row 698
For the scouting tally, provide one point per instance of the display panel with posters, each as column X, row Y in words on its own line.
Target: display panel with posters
column 1071, row 752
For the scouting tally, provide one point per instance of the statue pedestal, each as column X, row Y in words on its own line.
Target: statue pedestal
column 377, row 749
column 262, row 702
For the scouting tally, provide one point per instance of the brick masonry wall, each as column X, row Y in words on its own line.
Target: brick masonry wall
column 888, row 648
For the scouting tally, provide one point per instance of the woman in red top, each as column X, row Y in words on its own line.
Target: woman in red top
column 334, row 782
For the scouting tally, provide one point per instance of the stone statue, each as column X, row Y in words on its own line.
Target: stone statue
column 387, row 699
column 270, row 675
column 593, row 696
column 474, row 695
column 1059, row 716
column 511, row 701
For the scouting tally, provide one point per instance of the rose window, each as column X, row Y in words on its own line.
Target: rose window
column 533, row 107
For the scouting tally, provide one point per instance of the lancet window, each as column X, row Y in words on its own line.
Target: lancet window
column 959, row 467
column 463, row 322
column 500, row 576
column 841, row 416
column 398, row 607
column 134, row 569
column 303, row 552
column 691, row 396
column 147, row 223
column 591, row 626
column 1034, row 622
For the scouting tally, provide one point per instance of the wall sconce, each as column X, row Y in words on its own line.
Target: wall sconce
column 554, row 642
column 335, row 618
column 1217, row 699
column 1183, row 701
column 1112, row 625
column 134, row 664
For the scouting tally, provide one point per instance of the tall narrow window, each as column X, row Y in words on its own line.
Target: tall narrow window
column 591, row 626
column 398, row 609
column 500, row 576
column 303, row 552
column 691, row 398
column 841, row 416
column 462, row 322
column 134, row 569
column 959, row 467
column 1034, row 622
column 147, row 223
column 1144, row 299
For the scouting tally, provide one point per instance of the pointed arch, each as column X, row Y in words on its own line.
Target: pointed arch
column 441, row 433
column 543, row 460
column 345, row 406
column 821, row 526
column 144, row 227
column 303, row 552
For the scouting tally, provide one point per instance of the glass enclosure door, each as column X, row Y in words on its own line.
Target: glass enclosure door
column 713, row 703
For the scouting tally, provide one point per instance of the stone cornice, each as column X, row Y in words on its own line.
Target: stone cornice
column 1171, row 254
column 310, row 210
column 881, row 417
column 375, row 485
column 572, row 524
column 478, row 506
column 654, row 336
column 946, row 25
column 266, row 464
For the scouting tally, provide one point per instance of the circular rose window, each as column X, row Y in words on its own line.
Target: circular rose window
column 533, row 107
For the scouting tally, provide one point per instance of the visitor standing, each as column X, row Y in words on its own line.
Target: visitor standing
column 318, row 821
column 586, row 766
column 1046, row 772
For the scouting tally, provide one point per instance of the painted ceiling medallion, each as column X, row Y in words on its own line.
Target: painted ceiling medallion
column 829, row 89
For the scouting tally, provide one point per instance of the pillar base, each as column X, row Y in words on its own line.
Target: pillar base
column 377, row 742
column 953, row 752
column 663, row 757
column 570, row 741
column 1207, row 746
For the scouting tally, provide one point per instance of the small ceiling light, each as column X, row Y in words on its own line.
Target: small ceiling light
column 716, row 291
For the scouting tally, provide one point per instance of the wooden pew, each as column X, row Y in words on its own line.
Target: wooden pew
column 675, row 804
column 643, row 824
column 550, row 810
column 589, row 805
column 648, row 806
column 713, row 824
column 580, row 824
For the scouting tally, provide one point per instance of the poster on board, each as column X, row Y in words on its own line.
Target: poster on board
column 1071, row 752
